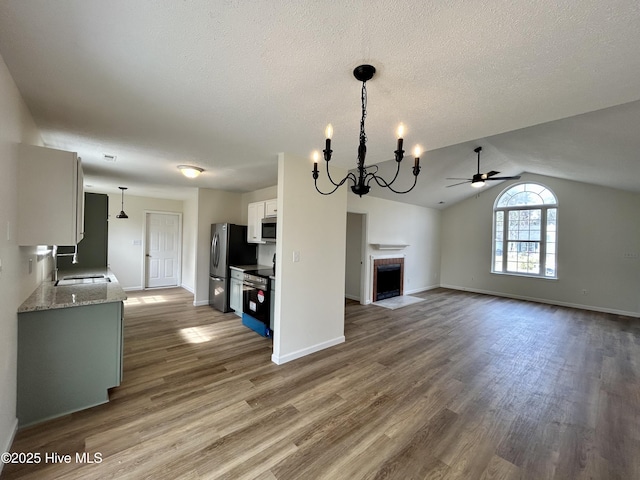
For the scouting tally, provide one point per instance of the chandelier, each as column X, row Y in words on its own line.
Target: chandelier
column 366, row 173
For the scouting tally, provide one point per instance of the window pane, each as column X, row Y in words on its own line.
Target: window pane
column 499, row 227
column 525, row 198
column 524, row 257
column 535, row 188
column 550, row 265
column 547, row 197
column 504, row 200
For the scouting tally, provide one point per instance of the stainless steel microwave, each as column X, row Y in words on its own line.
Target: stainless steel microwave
column 269, row 229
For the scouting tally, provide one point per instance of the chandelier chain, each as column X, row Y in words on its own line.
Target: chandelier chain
column 363, row 135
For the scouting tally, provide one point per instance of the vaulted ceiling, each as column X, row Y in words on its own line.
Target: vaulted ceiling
column 548, row 87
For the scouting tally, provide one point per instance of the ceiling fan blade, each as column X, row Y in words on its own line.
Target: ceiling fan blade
column 457, row 178
column 461, row 183
column 491, row 174
column 516, row 177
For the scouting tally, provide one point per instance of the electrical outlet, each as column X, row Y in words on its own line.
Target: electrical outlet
column 296, row 256
column 630, row 255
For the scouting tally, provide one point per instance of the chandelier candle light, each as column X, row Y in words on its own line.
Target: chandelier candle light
column 366, row 174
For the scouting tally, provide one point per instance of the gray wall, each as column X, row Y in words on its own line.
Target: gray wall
column 597, row 226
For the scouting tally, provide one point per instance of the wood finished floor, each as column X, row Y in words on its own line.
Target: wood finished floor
column 461, row 386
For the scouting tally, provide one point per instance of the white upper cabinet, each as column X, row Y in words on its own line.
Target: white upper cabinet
column 257, row 211
column 50, row 197
column 271, row 208
column 254, row 222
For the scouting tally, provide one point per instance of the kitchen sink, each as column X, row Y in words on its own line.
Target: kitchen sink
column 88, row 280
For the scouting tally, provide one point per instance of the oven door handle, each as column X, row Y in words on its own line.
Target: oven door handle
column 261, row 286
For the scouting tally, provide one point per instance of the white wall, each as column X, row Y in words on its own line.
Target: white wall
column 309, row 306
column 214, row 206
column 596, row 226
column 189, row 241
column 400, row 223
column 18, row 277
column 126, row 235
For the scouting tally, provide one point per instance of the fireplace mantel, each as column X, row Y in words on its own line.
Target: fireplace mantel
column 389, row 246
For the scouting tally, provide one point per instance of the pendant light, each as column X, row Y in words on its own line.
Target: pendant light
column 122, row 214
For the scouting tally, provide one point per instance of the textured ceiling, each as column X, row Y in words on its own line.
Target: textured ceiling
column 227, row 85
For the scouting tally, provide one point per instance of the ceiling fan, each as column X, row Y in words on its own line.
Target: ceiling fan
column 479, row 178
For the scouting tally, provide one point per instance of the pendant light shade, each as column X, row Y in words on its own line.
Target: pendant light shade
column 122, row 214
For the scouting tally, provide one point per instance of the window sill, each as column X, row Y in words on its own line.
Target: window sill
column 523, row 275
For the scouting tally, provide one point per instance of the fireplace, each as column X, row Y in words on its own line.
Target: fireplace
column 388, row 275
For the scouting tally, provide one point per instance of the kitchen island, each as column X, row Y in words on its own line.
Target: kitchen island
column 70, row 345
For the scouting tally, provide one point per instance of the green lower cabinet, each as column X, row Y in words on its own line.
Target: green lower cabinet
column 67, row 359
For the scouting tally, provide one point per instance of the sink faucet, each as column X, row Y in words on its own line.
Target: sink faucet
column 55, row 254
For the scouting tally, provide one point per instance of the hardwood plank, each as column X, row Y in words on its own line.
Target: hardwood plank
column 461, row 385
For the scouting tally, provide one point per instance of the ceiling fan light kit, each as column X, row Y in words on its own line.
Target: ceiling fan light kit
column 366, row 173
column 478, row 180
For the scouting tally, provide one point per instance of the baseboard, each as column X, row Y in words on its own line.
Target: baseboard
column 200, row 303
column 7, row 446
column 132, row 289
column 188, row 289
column 422, row 289
column 545, row 301
column 279, row 360
column 352, row 297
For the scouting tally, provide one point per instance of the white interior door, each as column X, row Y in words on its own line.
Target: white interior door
column 162, row 250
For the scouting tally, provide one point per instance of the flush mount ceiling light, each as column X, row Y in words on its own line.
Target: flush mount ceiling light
column 366, row 174
column 190, row 171
column 122, row 214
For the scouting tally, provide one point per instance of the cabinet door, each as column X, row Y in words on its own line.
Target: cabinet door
column 235, row 296
column 79, row 201
column 254, row 219
column 271, row 208
column 50, row 197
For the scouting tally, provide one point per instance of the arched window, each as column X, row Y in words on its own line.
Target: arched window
column 525, row 231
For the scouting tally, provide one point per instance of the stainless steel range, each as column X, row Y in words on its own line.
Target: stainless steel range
column 256, row 301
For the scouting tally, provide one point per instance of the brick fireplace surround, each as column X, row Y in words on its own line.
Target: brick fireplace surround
column 387, row 261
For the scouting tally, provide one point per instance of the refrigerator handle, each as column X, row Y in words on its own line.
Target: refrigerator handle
column 214, row 250
column 217, row 250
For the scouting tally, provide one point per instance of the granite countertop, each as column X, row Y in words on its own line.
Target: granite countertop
column 48, row 297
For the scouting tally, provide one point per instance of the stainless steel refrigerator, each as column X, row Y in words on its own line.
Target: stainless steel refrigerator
column 228, row 247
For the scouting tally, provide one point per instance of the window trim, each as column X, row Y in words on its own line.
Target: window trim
column 544, row 208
